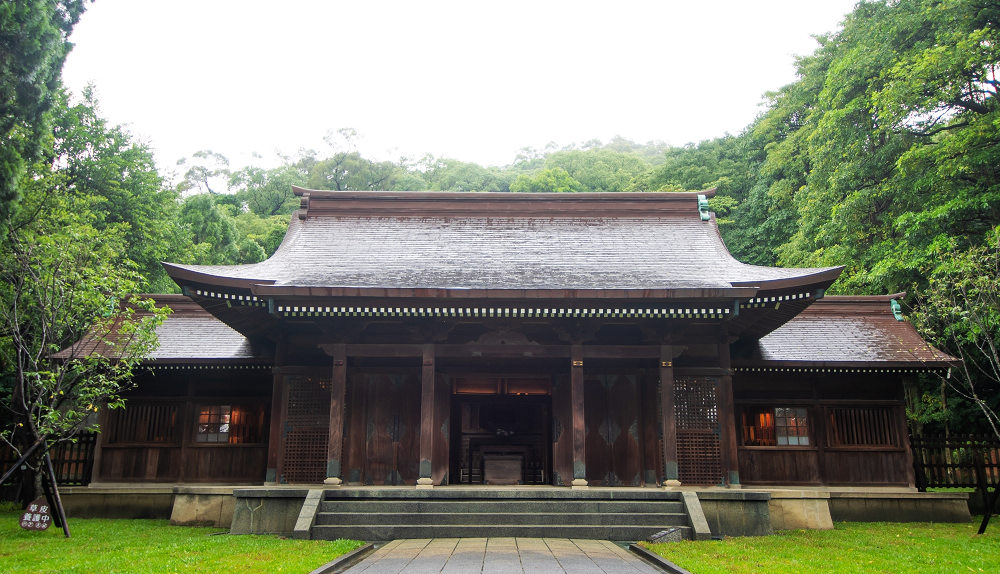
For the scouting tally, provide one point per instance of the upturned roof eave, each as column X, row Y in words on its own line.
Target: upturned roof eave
column 187, row 274
column 814, row 278
column 856, row 364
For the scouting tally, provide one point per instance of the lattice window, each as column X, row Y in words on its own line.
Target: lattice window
column 230, row 424
column 696, row 409
column 143, row 423
column 775, row 426
column 308, row 429
column 863, row 426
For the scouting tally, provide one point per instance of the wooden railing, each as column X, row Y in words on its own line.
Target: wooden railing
column 971, row 461
column 73, row 462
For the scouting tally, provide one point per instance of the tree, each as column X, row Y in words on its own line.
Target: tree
column 453, row 175
column 551, row 180
column 599, row 170
column 104, row 163
column 268, row 192
column 33, row 47
column 205, row 168
column 62, row 279
column 902, row 143
column 210, row 229
column 960, row 312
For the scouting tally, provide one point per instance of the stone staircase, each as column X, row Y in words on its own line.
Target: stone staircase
column 451, row 512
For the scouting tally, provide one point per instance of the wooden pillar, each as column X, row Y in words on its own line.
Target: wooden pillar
column 579, row 421
column 668, row 418
column 727, row 418
column 189, row 415
column 427, row 381
column 338, row 393
column 275, row 441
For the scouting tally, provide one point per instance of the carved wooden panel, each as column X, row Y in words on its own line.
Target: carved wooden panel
column 611, row 410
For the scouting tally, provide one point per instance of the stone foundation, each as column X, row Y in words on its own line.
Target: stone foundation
column 800, row 510
column 736, row 512
column 203, row 506
column 271, row 510
column 900, row 507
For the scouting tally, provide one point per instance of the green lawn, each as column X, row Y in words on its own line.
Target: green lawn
column 849, row 547
column 127, row 546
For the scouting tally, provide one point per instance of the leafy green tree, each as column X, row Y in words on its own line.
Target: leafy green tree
column 268, row 192
column 600, row 170
column 346, row 171
column 960, row 312
column 104, row 163
column 33, row 47
column 453, row 175
column 204, row 169
column 211, row 230
column 551, row 180
column 904, row 142
column 63, row 278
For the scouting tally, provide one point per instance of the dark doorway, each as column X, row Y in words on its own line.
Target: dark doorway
column 500, row 430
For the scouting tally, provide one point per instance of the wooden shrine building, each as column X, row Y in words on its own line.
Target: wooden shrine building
column 425, row 338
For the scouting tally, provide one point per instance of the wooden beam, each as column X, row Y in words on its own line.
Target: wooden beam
column 668, row 418
column 427, row 381
column 383, row 350
column 338, row 392
column 473, row 350
column 579, row 421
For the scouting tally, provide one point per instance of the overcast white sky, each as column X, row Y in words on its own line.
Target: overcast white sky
column 472, row 80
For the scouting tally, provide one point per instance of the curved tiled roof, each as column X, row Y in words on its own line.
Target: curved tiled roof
column 847, row 331
column 655, row 242
column 188, row 335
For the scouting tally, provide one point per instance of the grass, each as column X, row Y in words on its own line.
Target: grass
column 849, row 547
column 138, row 546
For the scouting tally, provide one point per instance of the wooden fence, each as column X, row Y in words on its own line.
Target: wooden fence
column 73, row 462
column 971, row 461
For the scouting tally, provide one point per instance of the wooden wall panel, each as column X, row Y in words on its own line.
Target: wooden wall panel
column 383, row 429
column 140, row 464
column 356, row 432
column 871, row 467
column 595, row 400
column 779, row 466
column 225, row 464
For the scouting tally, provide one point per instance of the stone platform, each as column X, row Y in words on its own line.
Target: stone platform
column 712, row 512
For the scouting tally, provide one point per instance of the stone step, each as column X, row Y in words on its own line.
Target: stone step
column 502, row 493
column 389, row 531
column 502, row 506
column 660, row 520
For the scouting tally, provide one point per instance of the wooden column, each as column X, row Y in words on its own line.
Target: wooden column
column 579, row 421
column 427, row 381
column 338, row 393
column 727, row 418
column 275, row 437
column 190, row 417
column 668, row 418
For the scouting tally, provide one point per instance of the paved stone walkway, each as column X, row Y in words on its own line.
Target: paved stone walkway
column 502, row 556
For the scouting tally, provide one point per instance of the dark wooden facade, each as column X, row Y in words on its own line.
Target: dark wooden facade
column 597, row 339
